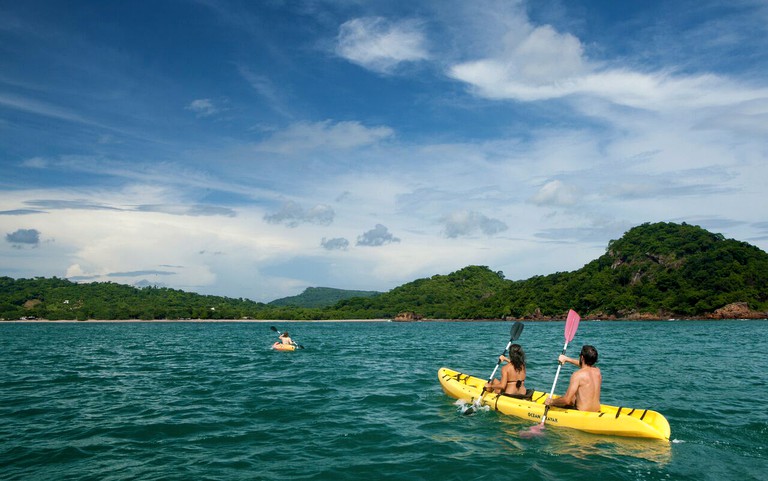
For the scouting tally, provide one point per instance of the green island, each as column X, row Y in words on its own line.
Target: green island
column 654, row 271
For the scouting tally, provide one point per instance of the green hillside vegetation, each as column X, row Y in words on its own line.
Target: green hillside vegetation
column 661, row 270
column 58, row 299
column 459, row 295
column 320, row 297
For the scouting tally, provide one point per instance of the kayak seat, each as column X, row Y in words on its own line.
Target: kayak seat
column 527, row 396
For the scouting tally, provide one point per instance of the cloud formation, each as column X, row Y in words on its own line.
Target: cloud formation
column 380, row 44
column 203, row 107
column 467, row 222
column 557, row 194
column 302, row 137
column 378, row 236
column 449, row 121
column 24, row 237
column 292, row 215
column 141, row 273
column 337, row 243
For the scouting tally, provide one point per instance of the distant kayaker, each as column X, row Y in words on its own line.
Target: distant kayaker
column 285, row 338
column 584, row 390
column 512, row 380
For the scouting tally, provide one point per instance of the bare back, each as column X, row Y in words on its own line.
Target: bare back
column 515, row 380
column 585, row 386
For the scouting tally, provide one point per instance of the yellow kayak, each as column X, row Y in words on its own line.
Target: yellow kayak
column 279, row 346
column 612, row 420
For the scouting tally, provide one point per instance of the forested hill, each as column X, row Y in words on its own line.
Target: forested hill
column 661, row 270
column 320, row 297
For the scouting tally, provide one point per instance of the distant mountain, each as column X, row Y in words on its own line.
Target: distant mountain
column 661, row 270
column 320, row 297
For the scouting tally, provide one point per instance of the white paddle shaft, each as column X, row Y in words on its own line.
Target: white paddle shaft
column 554, row 383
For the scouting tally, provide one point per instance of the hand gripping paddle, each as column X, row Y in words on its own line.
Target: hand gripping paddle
column 571, row 324
column 514, row 333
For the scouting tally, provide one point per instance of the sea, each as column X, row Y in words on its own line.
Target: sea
column 361, row 401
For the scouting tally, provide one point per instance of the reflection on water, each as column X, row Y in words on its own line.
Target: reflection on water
column 570, row 442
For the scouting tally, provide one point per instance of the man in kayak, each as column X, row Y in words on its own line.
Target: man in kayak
column 512, row 380
column 584, row 390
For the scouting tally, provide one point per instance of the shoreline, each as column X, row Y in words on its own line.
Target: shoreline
column 243, row 321
column 278, row 321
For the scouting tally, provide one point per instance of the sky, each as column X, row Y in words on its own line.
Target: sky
column 252, row 149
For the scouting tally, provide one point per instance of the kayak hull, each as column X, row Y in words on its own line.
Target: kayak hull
column 279, row 346
column 610, row 420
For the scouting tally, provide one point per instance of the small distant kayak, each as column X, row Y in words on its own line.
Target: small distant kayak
column 279, row 346
column 612, row 420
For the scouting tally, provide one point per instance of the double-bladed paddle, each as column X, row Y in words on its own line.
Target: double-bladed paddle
column 571, row 324
column 280, row 333
column 514, row 333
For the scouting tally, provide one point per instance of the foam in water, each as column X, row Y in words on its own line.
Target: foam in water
column 464, row 406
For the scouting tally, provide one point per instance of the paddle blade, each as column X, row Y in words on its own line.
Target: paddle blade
column 469, row 409
column 517, row 329
column 533, row 431
column 274, row 328
column 465, row 408
column 571, row 324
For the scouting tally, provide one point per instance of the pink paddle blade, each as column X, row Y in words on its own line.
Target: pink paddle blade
column 533, row 431
column 571, row 324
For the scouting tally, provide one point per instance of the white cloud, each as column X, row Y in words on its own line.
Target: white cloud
column 35, row 163
column 326, row 135
column 379, row 44
column 467, row 222
column 445, row 171
column 378, row 236
column 203, row 107
column 337, row 243
column 292, row 214
column 24, row 236
column 556, row 193
column 546, row 64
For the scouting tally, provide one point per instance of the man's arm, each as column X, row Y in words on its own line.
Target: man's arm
column 569, row 398
column 562, row 359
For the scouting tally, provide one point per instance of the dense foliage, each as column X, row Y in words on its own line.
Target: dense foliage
column 665, row 269
column 321, row 297
column 458, row 295
column 662, row 269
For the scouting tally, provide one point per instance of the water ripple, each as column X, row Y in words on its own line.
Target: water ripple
column 91, row 401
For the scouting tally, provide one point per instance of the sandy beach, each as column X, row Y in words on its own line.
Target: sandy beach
column 259, row 321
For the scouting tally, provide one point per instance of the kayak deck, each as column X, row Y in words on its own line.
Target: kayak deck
column 612, row 420
column 278, row 346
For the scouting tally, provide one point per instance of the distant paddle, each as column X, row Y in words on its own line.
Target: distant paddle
column 514, row 333
column 571, row 324
column 280, row 334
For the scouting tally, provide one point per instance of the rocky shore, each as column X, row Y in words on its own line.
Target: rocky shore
column 736, row 310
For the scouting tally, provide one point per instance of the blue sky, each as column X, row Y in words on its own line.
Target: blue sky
column 253, row 149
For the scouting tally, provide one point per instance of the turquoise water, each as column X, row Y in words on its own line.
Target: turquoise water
column 180, row 401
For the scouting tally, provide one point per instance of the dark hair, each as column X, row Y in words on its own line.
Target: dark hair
column 517, row 357
column 589, row 354
column 284, row 334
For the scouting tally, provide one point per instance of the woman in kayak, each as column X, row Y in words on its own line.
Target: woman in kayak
column 285, row 338
column 512, row 380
